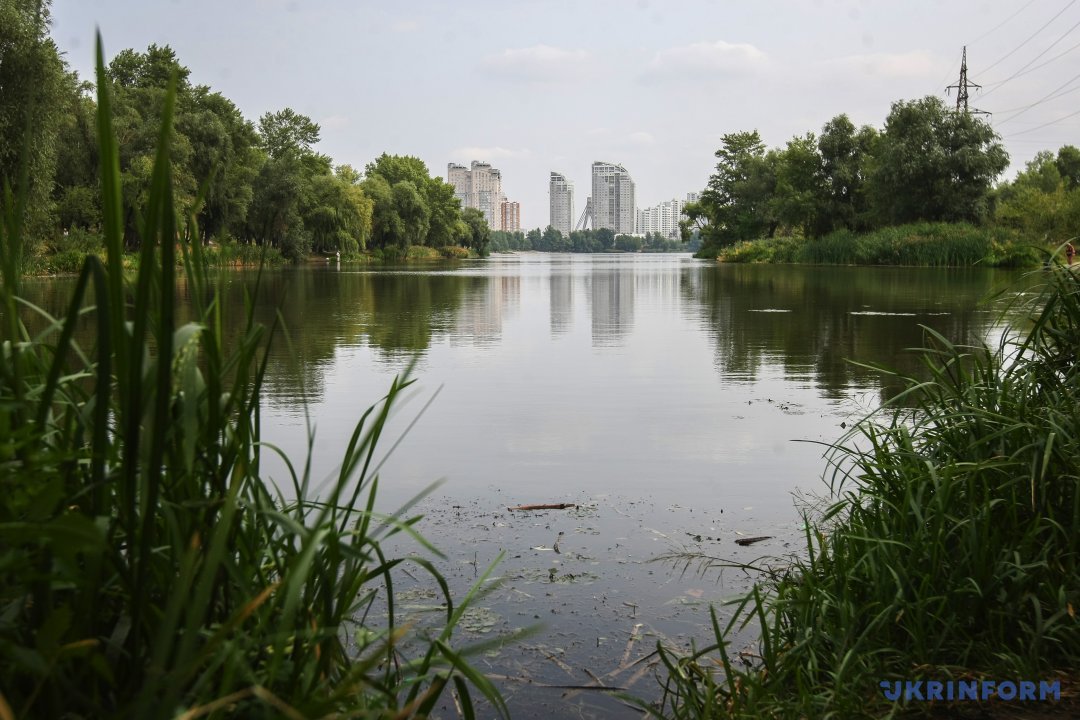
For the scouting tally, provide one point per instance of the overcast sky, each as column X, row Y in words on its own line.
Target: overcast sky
column 541, row 85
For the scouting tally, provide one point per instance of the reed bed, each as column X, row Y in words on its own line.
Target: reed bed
column 950, row 548
column 922, row 244
column 147, row 568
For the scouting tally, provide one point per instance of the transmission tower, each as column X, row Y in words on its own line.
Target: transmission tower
column 962, row 86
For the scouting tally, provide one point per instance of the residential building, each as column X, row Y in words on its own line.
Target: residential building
column 510, row 216
column 561, row 197
column 663, row 218
column 612, row 198
column 480, row 187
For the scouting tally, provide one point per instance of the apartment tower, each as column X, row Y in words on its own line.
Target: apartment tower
column 561, row 193
column 613, row 198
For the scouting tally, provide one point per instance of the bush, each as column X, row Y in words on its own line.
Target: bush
column 454, row 252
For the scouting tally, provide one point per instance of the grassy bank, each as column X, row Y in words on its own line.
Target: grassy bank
column 918, row 244
column 148, row 568
column 52, row 259
column 950, row 549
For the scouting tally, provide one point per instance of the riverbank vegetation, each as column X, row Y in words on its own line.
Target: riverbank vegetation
column 149, row 567
column 585, row 241
column 948, row 549
column 257, row 185
column 863, row 196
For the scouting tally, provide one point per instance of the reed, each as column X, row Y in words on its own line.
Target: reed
column 922, row 244
column 147, row 567
column 950, row 548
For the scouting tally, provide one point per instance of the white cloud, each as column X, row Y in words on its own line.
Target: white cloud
column 404, row 26
column 640, row 138
column 468, row 154
column 540, row 63
column 334, row 122
column 915, row 64
column 715, row 58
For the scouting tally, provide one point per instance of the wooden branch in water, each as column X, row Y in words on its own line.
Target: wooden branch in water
column 751, row 541
column 553, row 506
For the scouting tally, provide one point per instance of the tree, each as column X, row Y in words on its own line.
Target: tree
column 479, row 234
column 287, row 131
column 796, row 200
column 736, row 204
column 1041, row 202
column 934, row 164
column 1068, row 165
column 846, row 156
column 34, row 86
column 225, row 159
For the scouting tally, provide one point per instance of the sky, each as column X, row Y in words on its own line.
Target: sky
column 539, row 85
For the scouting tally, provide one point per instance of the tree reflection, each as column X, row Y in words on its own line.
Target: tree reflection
column 816, row 323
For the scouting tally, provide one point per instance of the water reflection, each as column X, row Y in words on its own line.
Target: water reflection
column 817, row 324
column 809, row 324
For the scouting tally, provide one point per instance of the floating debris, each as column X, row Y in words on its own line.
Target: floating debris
column 752, row 540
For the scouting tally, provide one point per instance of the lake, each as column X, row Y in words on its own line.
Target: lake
column 679, row 404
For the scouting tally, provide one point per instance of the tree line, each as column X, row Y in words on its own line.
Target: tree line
column 582, row 241
column 928, row 163
column 259, row 183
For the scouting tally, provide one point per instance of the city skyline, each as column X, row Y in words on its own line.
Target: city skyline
column 655, row 92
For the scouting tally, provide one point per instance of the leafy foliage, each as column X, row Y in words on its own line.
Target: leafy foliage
column 950, row 549
column 148, row 568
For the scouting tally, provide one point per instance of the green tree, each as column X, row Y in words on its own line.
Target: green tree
column 441, row 209
column 287, row 131
column 736, row 204
column 797, row 196
column 225, row 159
column 846, row 157
column 479, row 234
column 34, row 86
column 274, row 217
column 1040, row 202
column 1068, row 165
column 934, row 164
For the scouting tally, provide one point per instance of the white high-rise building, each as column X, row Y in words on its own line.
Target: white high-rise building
column 613, row 198
column 663, row 218
column 561, row 193
column 458, row 176
column 480, row 187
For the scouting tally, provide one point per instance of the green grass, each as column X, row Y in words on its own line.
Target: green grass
column 950, row 548
column 919, row 244
column 147, row 567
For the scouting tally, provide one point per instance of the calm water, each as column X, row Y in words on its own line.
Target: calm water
column 679, row 403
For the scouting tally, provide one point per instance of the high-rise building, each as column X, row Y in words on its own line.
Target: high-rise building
column 510, row 215
column 480, row 187
column 458, row 176
column 561, row 192
column 663, row 218
column 612, row 198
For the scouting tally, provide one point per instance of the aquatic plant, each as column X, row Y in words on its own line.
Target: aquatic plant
column 148, row 568
column 950, row 548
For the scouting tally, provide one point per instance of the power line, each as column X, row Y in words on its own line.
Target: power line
column 1040, row 101
column 1052, row 97
column 1046, row 124
column 1037, row 67
column 1020, row 71
column 1029, row 38
column 1000, row 24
